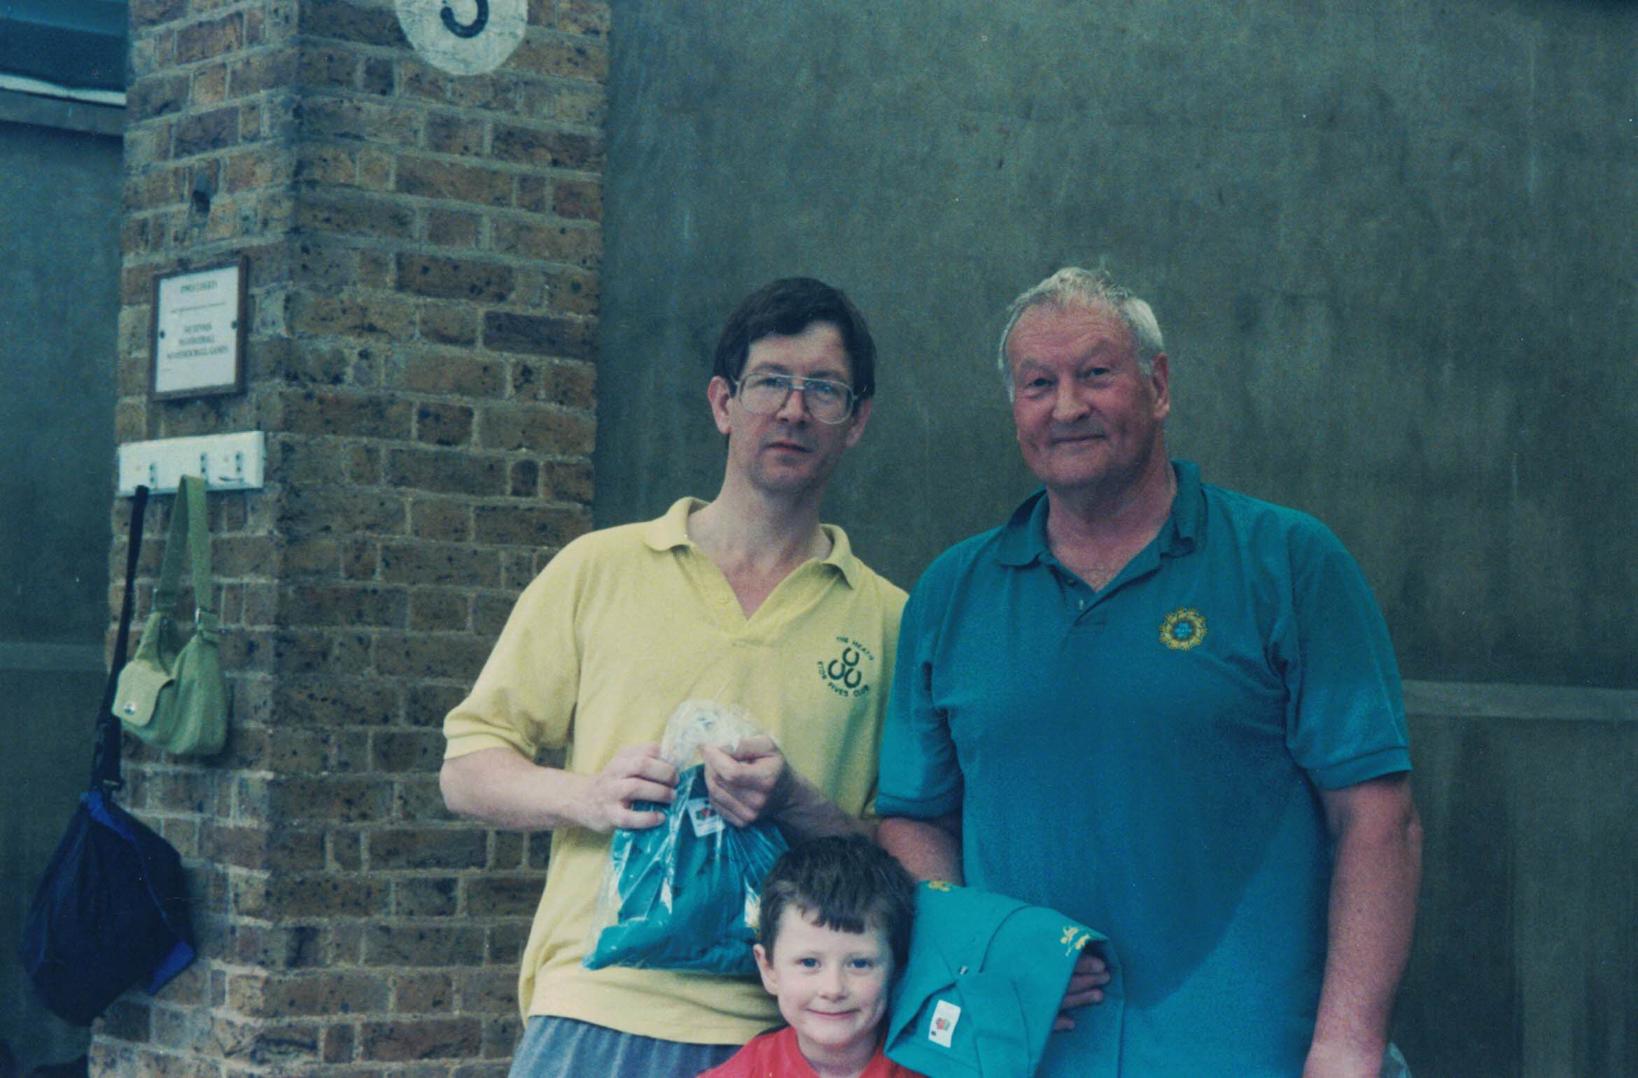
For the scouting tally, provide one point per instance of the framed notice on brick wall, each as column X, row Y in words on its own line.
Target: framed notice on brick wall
column 199, row 331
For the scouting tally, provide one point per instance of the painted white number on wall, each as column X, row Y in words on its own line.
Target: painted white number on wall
column 465, row 29
column 464, row 37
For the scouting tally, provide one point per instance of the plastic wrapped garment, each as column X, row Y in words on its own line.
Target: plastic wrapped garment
column 686, row 894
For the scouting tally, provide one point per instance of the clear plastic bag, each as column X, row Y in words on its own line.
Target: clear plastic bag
column 686, row 894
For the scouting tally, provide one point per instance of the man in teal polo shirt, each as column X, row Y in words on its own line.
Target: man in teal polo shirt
column 1167, row 710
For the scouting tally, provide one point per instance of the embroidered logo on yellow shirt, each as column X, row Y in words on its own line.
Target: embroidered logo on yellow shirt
column 1184, row 628
column 843, row 673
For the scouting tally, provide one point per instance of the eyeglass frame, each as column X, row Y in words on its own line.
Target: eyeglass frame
column 795, row 383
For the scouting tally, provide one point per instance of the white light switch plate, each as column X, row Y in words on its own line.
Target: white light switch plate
column 227, row 461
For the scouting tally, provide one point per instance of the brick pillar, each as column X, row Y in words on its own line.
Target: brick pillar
column 423, row 252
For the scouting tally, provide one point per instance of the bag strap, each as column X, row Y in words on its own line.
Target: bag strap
column 105, row 759
column 198, row 544
column 190, row 531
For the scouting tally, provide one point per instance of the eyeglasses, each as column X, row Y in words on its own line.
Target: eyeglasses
column 765, row 394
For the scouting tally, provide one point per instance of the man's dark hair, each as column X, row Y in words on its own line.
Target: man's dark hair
column 785, row 308
column 847, row 883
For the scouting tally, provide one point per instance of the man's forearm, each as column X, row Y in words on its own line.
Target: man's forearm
column 503, row 789
column 928, row 849
column 807, row 813
column 1375, row 875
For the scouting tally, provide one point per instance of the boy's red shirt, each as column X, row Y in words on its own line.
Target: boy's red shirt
column 776, row 1055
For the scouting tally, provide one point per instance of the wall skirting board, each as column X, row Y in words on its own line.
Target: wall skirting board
column 1503, row 700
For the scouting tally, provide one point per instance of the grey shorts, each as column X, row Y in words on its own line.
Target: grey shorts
column 565, row 1048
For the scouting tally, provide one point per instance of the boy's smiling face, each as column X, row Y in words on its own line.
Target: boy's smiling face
column 831, row 985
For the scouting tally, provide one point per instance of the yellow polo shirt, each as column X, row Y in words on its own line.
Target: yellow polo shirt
column 620, row 628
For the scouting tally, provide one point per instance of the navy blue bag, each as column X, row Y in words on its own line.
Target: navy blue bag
column 112, row 908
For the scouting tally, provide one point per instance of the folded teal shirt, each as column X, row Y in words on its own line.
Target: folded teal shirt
column 983, row 984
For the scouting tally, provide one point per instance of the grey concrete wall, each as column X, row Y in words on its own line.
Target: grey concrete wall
column 1391, row 246
column 59, row 304
column 1529, row 918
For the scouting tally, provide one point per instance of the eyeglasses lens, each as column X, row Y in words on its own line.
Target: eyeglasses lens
column 828, row 402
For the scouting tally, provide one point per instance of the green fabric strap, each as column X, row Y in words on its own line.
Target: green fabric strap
column 190, row 530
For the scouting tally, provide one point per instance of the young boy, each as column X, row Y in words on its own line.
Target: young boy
column 833, row 934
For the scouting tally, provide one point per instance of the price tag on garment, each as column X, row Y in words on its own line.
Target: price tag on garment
column 942, row 1028
column 704, row 818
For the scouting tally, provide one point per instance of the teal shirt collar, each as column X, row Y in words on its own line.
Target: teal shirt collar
column 1024, row 539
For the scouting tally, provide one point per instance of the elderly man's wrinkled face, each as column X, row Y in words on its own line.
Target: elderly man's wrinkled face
column 1088, row 417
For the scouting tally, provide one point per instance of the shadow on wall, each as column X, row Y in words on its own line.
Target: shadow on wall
column 1525, row 941
column 9, row 1068
column 59, row 310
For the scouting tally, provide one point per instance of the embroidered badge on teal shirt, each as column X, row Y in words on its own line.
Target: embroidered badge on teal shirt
column 1183, row 629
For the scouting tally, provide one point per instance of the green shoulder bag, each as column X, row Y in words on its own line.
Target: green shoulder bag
column 171, row 694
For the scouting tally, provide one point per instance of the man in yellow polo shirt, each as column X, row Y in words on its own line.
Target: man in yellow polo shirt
column 746, row 600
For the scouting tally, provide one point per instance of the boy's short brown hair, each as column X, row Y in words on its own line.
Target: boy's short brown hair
column 847, row 883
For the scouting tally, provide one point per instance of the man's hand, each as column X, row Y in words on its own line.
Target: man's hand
column 503, row 789
column 636, row 773
column 750, row 783
column 1086, row 983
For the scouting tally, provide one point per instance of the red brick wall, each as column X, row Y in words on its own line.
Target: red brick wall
column 423, row 252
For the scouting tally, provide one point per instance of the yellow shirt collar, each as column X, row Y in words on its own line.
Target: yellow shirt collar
column 671, row 531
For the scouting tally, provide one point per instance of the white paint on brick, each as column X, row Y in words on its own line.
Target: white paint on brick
column 464, row 37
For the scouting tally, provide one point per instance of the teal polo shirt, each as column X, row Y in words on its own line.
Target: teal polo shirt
column 1145, row 757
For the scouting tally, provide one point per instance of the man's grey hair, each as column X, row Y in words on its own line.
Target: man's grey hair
column 1076, row 287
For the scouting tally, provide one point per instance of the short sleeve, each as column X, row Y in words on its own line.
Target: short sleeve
column 920, row 775
column 1345, row 712
column 524, row 696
